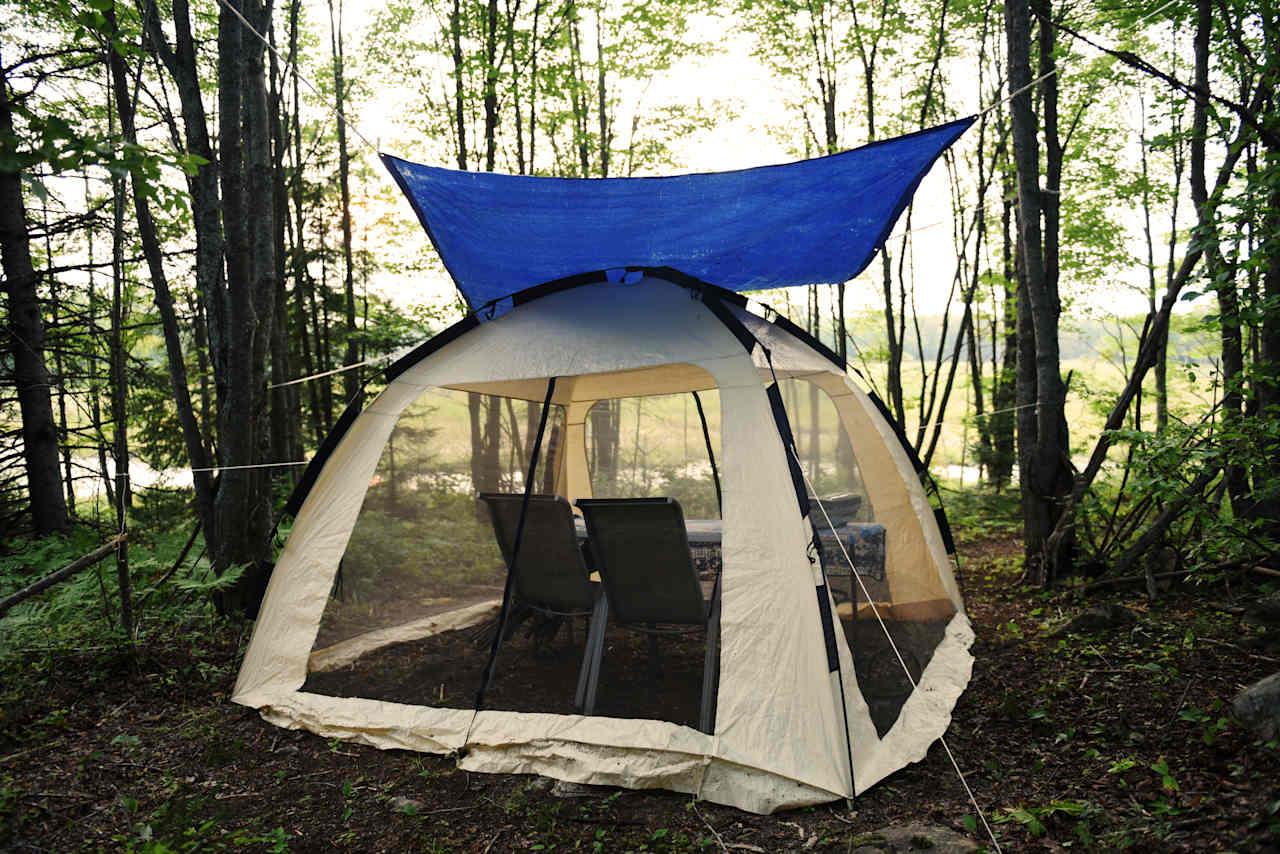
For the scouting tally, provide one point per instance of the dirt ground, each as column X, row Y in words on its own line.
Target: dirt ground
column 533, row 673
column 1116, row 739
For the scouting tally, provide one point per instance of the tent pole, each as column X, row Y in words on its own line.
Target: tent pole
column 487, row 680
column 711, row 454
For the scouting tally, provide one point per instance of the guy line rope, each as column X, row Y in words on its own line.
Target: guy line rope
column 894, row 646
column 292, row 67
column 1058, row 69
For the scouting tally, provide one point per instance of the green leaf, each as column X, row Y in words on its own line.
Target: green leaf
column 37, row 188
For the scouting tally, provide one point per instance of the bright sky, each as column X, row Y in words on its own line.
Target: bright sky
column 747, row 138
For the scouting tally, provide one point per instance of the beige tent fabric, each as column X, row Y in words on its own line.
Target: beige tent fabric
column 774, row 681
column 917, row 566
column 567, row 748
column 780, row 738
column 925, row 716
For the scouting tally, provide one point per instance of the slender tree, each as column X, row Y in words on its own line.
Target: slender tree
column 30, row 373
column 1044, row 462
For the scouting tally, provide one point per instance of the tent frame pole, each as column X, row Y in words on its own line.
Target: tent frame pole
column 508, row 591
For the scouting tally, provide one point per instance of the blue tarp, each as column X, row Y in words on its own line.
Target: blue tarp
column 814, row 221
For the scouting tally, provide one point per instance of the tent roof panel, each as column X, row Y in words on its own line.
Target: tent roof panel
column 591, row 329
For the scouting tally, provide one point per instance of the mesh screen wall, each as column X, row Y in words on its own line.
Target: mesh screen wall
column 828, row 455
column 423, row 555
column 649, row 447
column 415, row 608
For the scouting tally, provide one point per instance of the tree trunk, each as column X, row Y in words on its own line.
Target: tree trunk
column 491, row 86
column 30, row 374
column 64, row 436
column 867, row 53
column 119, row 379
column 1268, row 369
column 1004, row 395
column 485, row 414
column 303, row 287
column 320, row 329
column 1161, row 390
column 206, row 214
column 578, row 92
column 351, row 379
column 206, row 204
column 459, row 113
column 1045, row 473
column 242, row 508
column 1221, row 279
column 606, row 141
column 533, row 87
column 284, row 398
column 95, row 405
column 200, row 332
column 606, row 423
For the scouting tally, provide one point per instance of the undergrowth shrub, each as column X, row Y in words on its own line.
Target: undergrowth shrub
column 84, row 610
column 1155, row 474
column 979, row 513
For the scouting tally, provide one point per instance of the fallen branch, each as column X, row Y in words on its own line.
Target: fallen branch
column 1124, row 579
column 714, row 832
column 1134, row 579
column 61, row 575
column 1191, row 492
column 1239, row 649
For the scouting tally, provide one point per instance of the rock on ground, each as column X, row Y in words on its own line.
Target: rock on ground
column 408, row 805
column 1258, row 707
column 912, row 837
column 565, row 789
column 1107, row 616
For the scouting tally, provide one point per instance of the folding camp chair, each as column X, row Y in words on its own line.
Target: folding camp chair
column 551, row 576
column 641, row 550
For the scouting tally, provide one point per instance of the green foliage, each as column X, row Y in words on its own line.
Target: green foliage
column 572, row 78
column 59, row 138
column 1162, row 769
column 1036, row 819
column 1209, row 720
column 980, row 513
column 191, row 821
column 83, row 611
column 1208, row 534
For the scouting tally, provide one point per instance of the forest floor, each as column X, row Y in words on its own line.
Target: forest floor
column 1116, row 739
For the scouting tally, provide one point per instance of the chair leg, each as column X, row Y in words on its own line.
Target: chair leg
column 655, row 662
column 592, row 652
column 711, row 665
